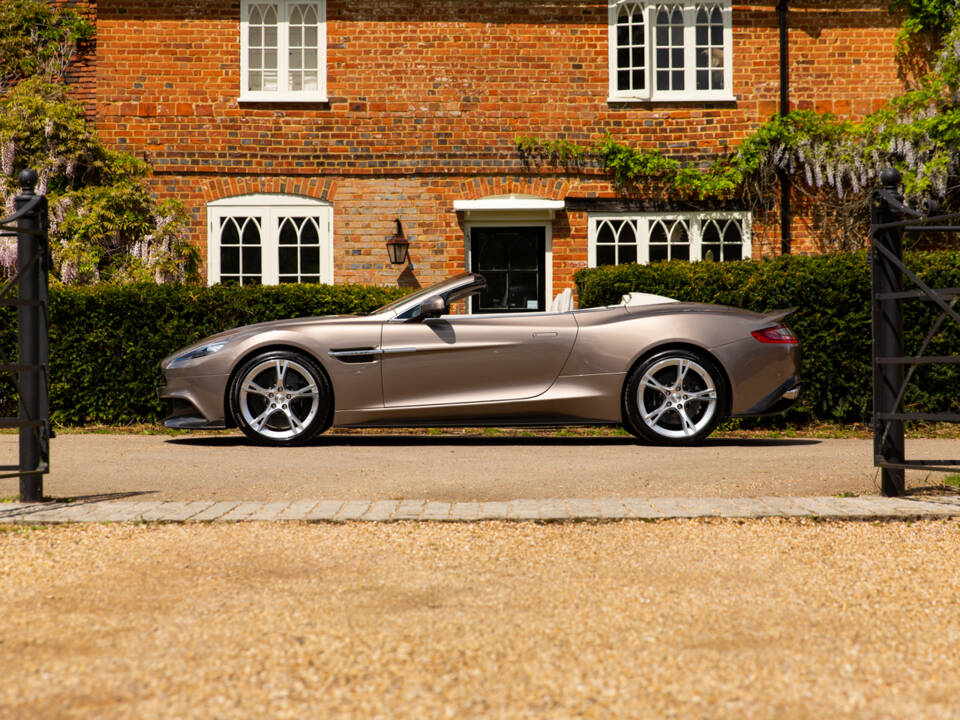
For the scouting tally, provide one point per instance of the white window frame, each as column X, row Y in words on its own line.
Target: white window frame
column 695, row 222
column 270, row 207
column 283, row 21
column 689, row 93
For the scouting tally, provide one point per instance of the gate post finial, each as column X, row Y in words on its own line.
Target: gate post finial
column 27, row 179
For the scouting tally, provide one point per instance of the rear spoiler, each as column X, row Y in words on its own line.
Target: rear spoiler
column 777, row 315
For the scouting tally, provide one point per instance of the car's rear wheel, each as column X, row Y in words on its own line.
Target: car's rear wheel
column 281, row 398
column 675, row 397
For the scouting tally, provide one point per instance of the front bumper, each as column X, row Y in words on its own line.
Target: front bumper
column 194, row 402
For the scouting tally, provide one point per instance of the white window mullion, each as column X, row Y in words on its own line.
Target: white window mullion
column 689, row 48
column 643, row 240
column 269, row 263
column 727, row 12
column 283, row 48
column 696, row 226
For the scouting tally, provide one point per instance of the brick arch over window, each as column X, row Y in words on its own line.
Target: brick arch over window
column 476, row 188
column 313, row 188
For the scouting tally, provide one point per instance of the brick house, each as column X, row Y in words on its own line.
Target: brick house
column 296, row 131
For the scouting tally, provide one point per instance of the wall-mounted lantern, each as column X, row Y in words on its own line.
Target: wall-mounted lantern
column 398, row 246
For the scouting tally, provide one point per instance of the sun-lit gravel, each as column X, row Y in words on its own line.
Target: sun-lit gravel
column 687, row 619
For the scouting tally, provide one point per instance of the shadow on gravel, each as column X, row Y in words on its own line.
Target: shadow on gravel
column 101, row 497
column 484, row 441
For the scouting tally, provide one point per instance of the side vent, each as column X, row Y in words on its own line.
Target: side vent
column 355, row 355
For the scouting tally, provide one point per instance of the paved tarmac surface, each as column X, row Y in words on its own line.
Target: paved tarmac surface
column 456, row 468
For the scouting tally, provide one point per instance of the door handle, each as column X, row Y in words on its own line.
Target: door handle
column 545, row 334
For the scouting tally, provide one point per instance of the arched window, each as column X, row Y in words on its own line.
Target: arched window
column 269, row 239
column 658, row 237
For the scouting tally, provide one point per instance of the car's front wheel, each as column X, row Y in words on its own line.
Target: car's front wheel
column 675, row 397
column 281, row 398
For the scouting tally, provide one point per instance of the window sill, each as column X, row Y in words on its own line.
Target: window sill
column 673, row 98
column 283, row 98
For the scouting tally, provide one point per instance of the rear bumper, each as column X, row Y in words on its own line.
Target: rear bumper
column 778, row 401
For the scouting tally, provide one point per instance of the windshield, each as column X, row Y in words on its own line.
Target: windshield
column 413, row 299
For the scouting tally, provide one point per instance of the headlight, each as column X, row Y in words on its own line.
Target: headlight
column 196, row 353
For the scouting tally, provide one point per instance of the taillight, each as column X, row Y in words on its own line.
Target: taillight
column 778, row 334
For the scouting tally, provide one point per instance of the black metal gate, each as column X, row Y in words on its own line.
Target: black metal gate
column 30, row 371
column 892, row 370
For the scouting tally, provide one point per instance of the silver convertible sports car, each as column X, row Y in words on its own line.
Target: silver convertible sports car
column 667, row 371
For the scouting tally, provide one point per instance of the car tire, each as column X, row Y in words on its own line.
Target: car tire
column 675, row 397
column 281, row 398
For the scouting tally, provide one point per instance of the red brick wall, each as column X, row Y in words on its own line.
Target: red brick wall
column 426, row 99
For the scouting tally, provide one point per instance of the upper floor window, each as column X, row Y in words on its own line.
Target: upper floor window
column 648, row 237
column 283, row 50
column 677, row 50
column 269, row 239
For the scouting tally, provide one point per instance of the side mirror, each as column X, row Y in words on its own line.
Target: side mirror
column 432, row 308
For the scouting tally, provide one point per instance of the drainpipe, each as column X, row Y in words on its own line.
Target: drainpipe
column 782, row 176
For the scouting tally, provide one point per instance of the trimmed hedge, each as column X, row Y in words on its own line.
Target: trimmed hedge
column 106, row 342
column 832, row 320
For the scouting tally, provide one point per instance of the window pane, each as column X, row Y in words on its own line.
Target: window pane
column 663, row 58
column 663, row 80
column 676, row 57
column 623, row 57
column 731, row 233
column 256, row 59
column 310, row 260
column 606, row 255
column 732, row 252
column 524, row 256
column 678, row 80
column 658, row 233
column 251, row 260
column 680, row 252
column 296, row 81
column 270, row 36
column 703, row 80
column 255, row 36
column 623, row 35
column 228, row 231
column 636, row 35
column 229, row 260
column 658, row 252
column 310, row 36
column 256, row 81
column 288, row 261
column 250, row 280
column 639, row 81
column 522, row 291
column 711, row 233
column 296, row 59
column 493, row 254
column 251, row 231
column 270, row 80
column 628, row 253
column 288, row 232
column 605, row 234
column 310, row 59
column 623, row 80
column 288, row 278
column 308, row 232
column 310, row 279
column 270, row 59
column 710, row 252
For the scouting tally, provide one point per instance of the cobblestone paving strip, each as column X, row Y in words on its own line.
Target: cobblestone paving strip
column 325, row 510
column 494, row 510
column 352, row 510
column 409, row 510
column 298, row 510
column 436, row 511
column 556, row 509
column 215, row 511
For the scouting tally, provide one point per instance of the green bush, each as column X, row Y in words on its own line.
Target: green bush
column 106, row 342
column 832, row 320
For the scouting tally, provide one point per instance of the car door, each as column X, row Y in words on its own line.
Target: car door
column 474, row 358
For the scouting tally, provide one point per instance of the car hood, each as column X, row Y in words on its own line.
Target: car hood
column 246, row 330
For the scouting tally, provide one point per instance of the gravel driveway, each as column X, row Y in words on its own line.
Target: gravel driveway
column 457, row 468
column 688, row 619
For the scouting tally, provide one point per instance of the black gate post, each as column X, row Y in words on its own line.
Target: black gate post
column 888, row 441
column 31, row 340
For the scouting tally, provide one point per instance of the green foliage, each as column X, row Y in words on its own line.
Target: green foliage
column 38, row 40
column 106, row 342
column 104, row 224
column 832, row 320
